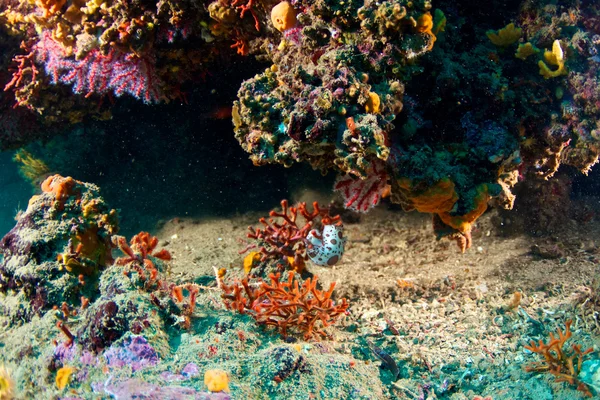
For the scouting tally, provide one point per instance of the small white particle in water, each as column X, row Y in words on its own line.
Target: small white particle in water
column 219, row 238
column 480, row 249
column 173, row 237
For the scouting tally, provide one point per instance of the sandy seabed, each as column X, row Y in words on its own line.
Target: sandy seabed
column 434, row 310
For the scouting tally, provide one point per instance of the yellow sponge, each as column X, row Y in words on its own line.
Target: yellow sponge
column 216, row 380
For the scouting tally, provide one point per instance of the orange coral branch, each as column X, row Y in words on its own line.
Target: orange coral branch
column 139, row 248
column 137, row 254
column 557, row 361
column 247, row 7
column 286, row 305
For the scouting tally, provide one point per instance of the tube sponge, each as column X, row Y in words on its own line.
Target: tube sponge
column 555, row 57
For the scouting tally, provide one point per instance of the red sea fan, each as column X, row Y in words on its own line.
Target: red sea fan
column 363, row 194
column 99, row 73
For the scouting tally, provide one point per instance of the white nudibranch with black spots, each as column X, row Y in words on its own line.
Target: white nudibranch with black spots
column 326, row 248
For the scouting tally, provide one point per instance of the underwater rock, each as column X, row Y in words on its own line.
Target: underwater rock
column 58, row 247
column 134, row 315
column 335, row 85
column 590, row 375
column 122, row 308
column 134, row 351
column 137, row 389
column 283, row 363
column 106, row 326
column 538, row 388
column 188, row 372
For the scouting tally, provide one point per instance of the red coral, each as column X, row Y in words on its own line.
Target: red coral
column 136, row 259
column 286, row 305
column 70, row 338
column 247, row 7
column 177, row 293
column 241, row 46
column 25, row 72
column 287, row 239
column 363, row 194
column 142, row 246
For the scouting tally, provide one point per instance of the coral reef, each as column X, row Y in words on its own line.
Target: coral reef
column 345, row 87
column 331, row 92
column 74, row 55
column 443, row 108
column 95, row 327
column 334, row 98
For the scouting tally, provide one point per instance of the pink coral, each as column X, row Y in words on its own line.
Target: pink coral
column 363, row 194
column 99, row 73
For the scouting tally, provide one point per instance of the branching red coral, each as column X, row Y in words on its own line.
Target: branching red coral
column 25, row 71
column 137, row 259
column 286, row 305
column 565, row 367
column 287, row 239
column 70, row 338
column 247, row 7
column 142, row 245
column 136, row 253
column 177, row 293
column 241, row 46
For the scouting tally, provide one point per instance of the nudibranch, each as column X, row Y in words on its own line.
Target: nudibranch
column 326, row 248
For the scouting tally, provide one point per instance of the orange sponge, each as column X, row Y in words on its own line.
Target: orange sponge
column 60, row 186
column 462, row 223
column 434, row 199
column 283, row 16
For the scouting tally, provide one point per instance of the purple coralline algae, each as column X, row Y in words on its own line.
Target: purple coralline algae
column 137, row 389
column 133, row 351
column 189, row 371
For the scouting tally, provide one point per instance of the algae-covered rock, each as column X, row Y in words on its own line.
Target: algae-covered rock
column 590, row 375
column 122, row 308
column 55, row 252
